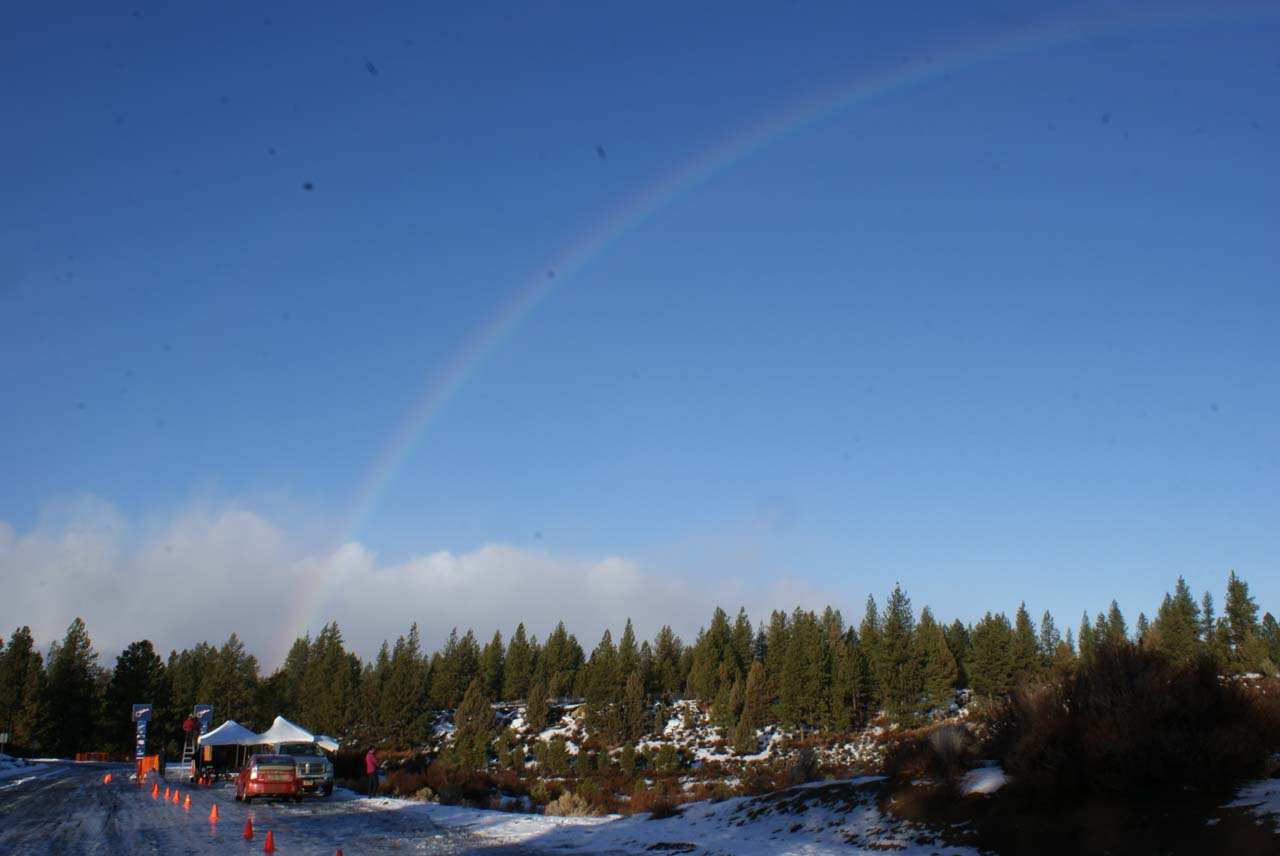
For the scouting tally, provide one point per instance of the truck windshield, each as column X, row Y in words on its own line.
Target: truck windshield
column 299, row 749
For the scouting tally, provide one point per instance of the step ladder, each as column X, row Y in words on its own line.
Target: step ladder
column 189, row 746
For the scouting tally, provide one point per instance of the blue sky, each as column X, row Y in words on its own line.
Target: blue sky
column 1007, row 332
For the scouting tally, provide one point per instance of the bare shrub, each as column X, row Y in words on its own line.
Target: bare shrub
column 656, row 802
column 1133, row 724
column 570, row 805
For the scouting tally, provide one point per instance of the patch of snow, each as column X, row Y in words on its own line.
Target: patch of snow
column 983, row 780
column 1261, row 798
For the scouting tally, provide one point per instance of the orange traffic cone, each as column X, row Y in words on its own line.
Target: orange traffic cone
column 270, row 846
column 106, row 780
column 166, row 794
column 213, row 814
column 175, row 796
column 155, row 789
column 187, row 802
column 248, row 827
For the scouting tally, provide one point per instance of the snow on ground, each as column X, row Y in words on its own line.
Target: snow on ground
column 983, row 780
column 823, row 817
column 1261, row 798
column 11, row 767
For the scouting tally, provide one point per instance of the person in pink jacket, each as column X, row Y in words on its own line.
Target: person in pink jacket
column 371, row 770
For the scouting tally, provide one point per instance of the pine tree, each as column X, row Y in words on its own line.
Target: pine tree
column 1050, row 639
column 755, row 697
column 474, row 723
column 1087, row 641
column 22, row 690
column 843, row 681
column 1026, row 658
column 897, row 669
column 635, row 709
column 1064, row 657
column 404, row 697
column 538, row 707
column 138, row 678
column 628, row 653
column 937, row 665
column 491, row 662
column 30, row 720
column 1114, row 633
column 603, row 688
column 869, row 641
column 518, row 669
column 1142, row 630
column 1241, row 613
column 957, row 636
column 991, row 661
column 1270, row 636
column 1174, row 632
column 713, row 648
column 745, row 741
column 667, row 653
column 73, row 691
column 1208, row 624
column 331, row 681
column 742, row 645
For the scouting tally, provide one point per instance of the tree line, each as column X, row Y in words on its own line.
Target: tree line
column 802, row 669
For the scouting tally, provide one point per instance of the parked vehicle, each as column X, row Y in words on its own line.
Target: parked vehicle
column 315, row 770
column 269, row 776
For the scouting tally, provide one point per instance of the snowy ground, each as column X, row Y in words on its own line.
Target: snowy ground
column 1262, row 800
column 67, row 809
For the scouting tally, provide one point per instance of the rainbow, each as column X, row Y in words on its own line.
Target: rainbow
column 443, row 385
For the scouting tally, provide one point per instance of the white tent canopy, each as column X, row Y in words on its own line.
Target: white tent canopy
column 229, row 733
column 326, row 743
column 284, row 731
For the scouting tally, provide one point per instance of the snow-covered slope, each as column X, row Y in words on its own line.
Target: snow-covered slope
column 825, row 817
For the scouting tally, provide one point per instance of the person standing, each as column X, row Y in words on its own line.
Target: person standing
column 371, row 770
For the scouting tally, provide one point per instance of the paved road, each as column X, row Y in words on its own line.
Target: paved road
column 67, row 810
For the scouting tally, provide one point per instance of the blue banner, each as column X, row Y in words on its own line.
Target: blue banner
column 204, row 713
column 140, row 746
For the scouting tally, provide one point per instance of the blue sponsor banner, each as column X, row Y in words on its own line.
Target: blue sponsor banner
column 140, row 746
column 204, row 714
column 142, row 713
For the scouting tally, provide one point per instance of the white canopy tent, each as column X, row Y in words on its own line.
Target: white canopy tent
column 229, row 733
column 284, row 731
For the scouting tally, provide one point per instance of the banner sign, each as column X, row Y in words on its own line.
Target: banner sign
column 141, row 715
column 204, row 713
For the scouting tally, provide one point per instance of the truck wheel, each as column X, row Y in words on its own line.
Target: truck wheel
column 328, row 789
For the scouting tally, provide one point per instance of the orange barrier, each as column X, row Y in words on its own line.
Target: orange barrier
column 149, row 763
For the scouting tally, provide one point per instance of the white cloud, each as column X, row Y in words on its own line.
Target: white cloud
column 205, row 572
